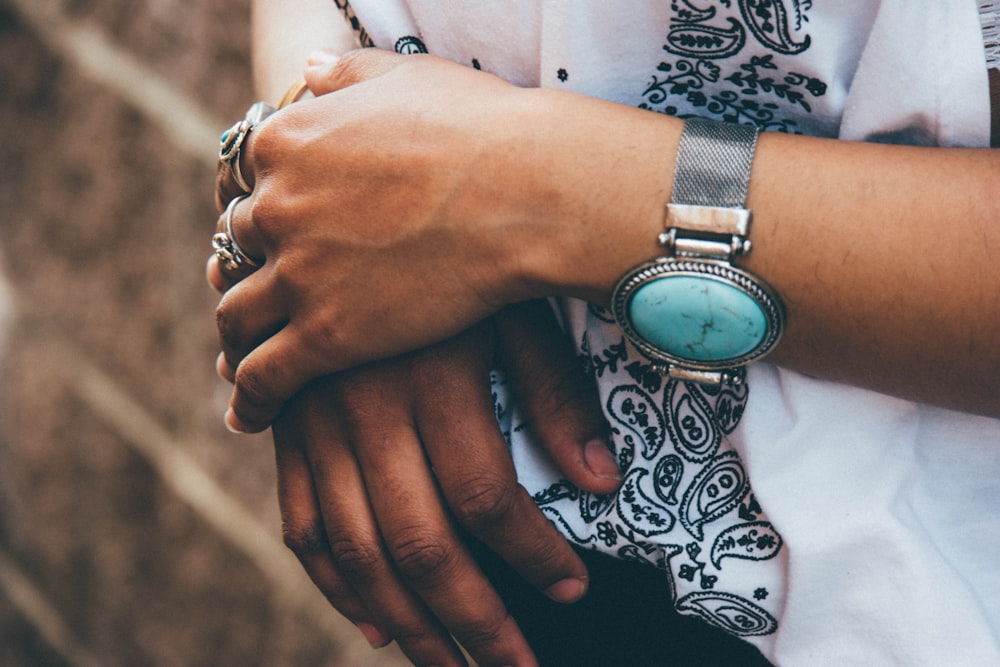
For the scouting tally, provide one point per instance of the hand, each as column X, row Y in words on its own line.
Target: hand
column 382, row 467
column 326, row 300
column 377, row 465
column 406, row 205
column 372, row 516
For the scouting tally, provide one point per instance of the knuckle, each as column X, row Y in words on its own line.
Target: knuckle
column 265, row 140
column 482, row 636
column 358, row 559
column 226, row 326
column 563, row 389
column 304, row 539
column 483, row 501
column 340, row 595
column 267, row 209
column 545, row 555
column 421, row 555
column 251, row 384
column 326, row 330
column 362, row 398
column 363, row 406
column 351, row 67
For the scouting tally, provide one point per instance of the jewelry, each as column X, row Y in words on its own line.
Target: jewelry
column 231, row 142
column 294, row 93
column 698, row 317
column 227, row 250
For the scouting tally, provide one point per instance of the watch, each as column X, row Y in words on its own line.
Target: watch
column 697, row 316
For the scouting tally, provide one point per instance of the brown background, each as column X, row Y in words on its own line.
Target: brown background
column 134, row 530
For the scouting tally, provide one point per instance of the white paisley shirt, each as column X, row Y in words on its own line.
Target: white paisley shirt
column 825, row 524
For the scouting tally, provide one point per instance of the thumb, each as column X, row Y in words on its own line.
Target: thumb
column 327, row 71
column 558, row 399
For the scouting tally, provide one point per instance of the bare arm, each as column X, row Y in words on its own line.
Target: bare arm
column 374, row 500
column 881, row 252
column 886, row 257
column 285, row 33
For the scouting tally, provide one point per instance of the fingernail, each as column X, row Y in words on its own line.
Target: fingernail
column 224, row 370
column 567, row 590
column 372, row 634
column 601, row 461
column 233, row 423
column 322, row 57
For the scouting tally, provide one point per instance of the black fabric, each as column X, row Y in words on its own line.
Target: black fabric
column 994, row 79
column 626, row 619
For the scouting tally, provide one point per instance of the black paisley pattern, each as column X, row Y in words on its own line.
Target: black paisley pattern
column 686, row 503
column 715, row 73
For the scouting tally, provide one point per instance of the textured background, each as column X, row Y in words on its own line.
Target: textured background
column 134, row 530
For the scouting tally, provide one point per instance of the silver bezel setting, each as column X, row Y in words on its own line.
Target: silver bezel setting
column 720, row 271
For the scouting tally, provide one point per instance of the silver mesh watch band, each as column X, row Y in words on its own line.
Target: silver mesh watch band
column 713, row 164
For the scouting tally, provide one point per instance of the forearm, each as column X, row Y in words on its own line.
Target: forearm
column 458, row 193
column 285, row 32
column 881, row 253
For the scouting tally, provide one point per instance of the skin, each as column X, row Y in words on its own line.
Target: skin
column 402, row 253
column 375, row 503
column 415, row 145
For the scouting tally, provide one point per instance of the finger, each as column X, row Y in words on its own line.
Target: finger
column 225, row 371
column 357, row 550
column 425, row 547
column 226, row 187
column 559, row 401
column 329, row 72
column 247, row 315
column 237, row 222
column 317, row 74
column 218, row 278
column 269, row 376
column 234, row 171
column 215, row 276
column 304, row 533
column 477, row 476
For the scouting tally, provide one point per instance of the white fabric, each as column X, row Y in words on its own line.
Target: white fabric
column 870, row 533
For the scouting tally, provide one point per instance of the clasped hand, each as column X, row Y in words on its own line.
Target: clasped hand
column 424, row 244
column 384, row 468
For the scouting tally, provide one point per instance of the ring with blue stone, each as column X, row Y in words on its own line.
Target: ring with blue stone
column 232, row 140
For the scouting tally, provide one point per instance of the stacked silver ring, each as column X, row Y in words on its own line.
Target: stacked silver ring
column 232, row 140
column 231, row 256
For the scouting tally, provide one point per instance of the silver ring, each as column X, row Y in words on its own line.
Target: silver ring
column 231, row 256
column 232, row 140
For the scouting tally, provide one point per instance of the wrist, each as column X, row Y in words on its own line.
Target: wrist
column 691, row 310
column 601, row 174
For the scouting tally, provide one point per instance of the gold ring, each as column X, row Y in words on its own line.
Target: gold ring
column 294, row 93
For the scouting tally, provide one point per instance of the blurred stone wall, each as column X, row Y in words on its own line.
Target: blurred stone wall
column 134, row 530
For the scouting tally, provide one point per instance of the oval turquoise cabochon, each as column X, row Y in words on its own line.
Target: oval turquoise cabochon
column 698, row 318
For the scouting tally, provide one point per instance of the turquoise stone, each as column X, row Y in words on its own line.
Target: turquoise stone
column 698, row 319
column 224, row 139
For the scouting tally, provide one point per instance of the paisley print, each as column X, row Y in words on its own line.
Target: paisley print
column 714, row 492
column 729, row 612
column 638, row 418
column 718, row 71
column 691, row 425
column 685, row 504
